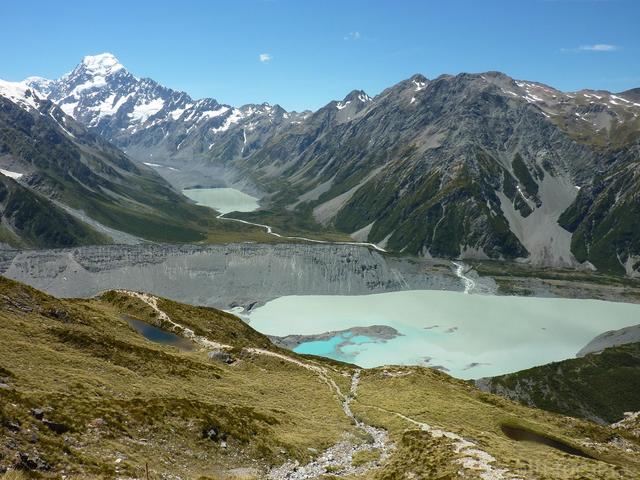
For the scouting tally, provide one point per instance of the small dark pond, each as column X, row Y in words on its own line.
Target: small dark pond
column 158, row 335
column 523, row 435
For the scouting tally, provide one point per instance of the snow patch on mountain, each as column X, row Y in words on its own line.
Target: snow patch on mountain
column 41, row 84
column 213, row 113
column 177, row 113
column 143, row 111
column 69, row 108
column 419, row 85
column 235, row 117
column 108, row 107
column 9, row 173
column 20, row 93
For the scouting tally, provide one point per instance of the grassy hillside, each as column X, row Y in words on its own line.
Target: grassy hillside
column 598, row 387
column 83, row 393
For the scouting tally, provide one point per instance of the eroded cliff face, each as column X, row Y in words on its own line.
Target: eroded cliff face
column 223, row 276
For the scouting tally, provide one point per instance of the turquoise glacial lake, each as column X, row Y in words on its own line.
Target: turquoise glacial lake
column 467, row 336
column 224, row 200
column 333, row 347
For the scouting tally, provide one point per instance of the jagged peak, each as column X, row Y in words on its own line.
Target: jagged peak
column 418, row 77
column 495, row 74
column 100, row 65
column 357, row 96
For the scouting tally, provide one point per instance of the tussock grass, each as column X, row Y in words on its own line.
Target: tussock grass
column 126, row 402
column 152, row 403
column 435, row 398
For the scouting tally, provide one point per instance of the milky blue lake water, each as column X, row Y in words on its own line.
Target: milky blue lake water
column 224, row 200
column 468, row 336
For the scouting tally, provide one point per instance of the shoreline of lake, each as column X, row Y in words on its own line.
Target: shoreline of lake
column 223, row 199
column 468, row 336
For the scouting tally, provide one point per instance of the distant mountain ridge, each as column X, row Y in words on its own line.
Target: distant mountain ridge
column 80, row 177
column 155, row 124
column 461, row 166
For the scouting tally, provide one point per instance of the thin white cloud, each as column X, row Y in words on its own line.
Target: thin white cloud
column 352, row 36
column 265, row 57
column 597, row 47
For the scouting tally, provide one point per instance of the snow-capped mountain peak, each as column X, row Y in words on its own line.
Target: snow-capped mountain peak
column 146, row 118
column 102, row 64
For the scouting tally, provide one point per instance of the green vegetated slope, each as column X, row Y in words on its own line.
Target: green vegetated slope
column 84, row 393
column 429, row 396
column 599, row 387
column 30, row 220
column 604, row 217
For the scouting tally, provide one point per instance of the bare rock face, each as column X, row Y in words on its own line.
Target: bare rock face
column 221, row 276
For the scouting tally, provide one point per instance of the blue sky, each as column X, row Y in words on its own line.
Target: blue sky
column 303, row 53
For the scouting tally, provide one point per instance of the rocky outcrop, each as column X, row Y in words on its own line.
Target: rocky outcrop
column 612, row 338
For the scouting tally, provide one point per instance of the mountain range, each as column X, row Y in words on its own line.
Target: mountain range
column 461, row 166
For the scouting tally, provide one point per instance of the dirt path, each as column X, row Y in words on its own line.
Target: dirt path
column 473, row 459
column 337, row 459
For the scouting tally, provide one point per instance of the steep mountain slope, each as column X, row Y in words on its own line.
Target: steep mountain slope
column 30, row 220
column 468, row 166
column 604, row 217
column 599, row 386
column 160, row 126
column 612, row 338
column 87, row 395
column 458, row 166
column 57, row 157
